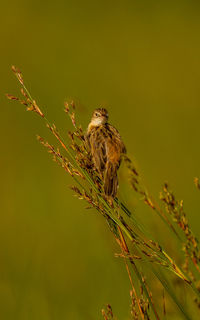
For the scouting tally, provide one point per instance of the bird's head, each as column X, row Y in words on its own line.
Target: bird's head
column 99, row 116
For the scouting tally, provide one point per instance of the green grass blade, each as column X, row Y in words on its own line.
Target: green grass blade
column 160, row 276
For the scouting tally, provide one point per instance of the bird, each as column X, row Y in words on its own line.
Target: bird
column 106, row 148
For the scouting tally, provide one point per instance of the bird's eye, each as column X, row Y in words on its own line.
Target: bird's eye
column 96, row 114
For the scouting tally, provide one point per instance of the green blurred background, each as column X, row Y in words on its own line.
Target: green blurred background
column 139, row 59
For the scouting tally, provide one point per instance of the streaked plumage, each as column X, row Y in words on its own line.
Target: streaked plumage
column 106, row 147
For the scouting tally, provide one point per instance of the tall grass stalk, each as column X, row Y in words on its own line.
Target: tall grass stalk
column 136, row 245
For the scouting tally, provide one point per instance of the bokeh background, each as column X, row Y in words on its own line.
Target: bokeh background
column 141, row 60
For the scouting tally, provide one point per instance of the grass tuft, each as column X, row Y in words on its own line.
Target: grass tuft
column 143, row 257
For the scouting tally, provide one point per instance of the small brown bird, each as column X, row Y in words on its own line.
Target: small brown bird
column 106, row 147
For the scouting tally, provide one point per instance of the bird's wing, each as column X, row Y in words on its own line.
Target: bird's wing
column 116, row 136
column 97, row 142
column 105, row 145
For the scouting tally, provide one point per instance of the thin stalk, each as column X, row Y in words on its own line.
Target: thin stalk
column 125, row 247
column 165, row 284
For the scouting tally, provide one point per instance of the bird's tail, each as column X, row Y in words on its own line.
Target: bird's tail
column 110, row 179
